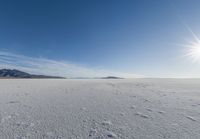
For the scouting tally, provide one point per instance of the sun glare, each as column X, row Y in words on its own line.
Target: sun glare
column 193, row 49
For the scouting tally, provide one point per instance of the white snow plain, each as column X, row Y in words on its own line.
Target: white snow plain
column 100, row 109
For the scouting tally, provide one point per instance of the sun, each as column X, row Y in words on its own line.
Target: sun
column 193, row 49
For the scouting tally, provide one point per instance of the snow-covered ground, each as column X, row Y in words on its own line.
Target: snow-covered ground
column 100, row 109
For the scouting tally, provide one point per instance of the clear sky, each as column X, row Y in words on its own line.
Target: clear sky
column 99, row 37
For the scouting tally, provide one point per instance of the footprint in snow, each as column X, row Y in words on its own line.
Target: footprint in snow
column 122, row 114
column 13, row 102
column 148, row 109
column 142, row 115
column 106, row 123
column 191, row 118
column 161, row 112
column 133, row 96
column 194, row 105
column 111, row 134
column 132, row 107
column 146, row 100
column 83, row 109
column 92, row 132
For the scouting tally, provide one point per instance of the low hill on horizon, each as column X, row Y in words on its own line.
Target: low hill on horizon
column 112, row 77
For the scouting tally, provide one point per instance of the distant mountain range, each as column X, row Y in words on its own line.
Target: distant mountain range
column 13, row 73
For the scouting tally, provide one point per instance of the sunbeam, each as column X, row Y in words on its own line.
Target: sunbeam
column 193, row 48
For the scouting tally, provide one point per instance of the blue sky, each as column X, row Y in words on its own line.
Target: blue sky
column 103, row 37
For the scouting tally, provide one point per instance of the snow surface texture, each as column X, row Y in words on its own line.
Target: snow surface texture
column 100, row 109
